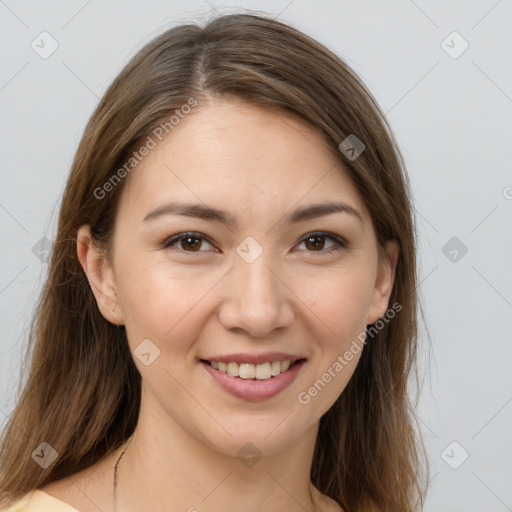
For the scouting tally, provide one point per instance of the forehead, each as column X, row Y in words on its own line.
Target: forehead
column 235, row 153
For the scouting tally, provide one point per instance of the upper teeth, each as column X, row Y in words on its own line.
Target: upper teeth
column 250, row 371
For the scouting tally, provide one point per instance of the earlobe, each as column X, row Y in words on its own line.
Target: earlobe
column 99, row 275
column 384, row 282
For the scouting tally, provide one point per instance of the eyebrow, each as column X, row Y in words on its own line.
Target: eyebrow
column 200, row 211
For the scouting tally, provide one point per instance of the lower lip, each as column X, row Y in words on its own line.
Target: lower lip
column 254, row 389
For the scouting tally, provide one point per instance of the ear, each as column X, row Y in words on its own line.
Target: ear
column 100, row 276
column 384, row 281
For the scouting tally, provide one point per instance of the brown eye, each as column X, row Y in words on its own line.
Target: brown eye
column 189, row 242
column 193, row 243
column 315, row 242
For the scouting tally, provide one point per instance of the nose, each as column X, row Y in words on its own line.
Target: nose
column 256, row 299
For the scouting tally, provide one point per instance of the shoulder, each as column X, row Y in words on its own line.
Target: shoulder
column 38, row 501
column 88, row 490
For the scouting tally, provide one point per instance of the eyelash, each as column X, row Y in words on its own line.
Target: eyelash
column 340, row 243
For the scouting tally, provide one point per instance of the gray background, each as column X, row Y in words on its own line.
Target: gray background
column 452, row 115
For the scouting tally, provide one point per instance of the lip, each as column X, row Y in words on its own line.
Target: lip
column 254, row 390
column 266, row 357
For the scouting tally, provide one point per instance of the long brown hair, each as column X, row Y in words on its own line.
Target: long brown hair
column 82, row 392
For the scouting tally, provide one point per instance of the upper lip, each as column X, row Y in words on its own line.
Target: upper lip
column 255, row 358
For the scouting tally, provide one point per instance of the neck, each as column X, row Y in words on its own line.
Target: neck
column 169, row 468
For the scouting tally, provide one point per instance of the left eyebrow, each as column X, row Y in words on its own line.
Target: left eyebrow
column 318, row 210
column 201, row 211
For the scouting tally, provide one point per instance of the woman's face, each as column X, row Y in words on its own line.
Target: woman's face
column 269, row 279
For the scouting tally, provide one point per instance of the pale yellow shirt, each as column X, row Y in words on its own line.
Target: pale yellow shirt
column 39, row 501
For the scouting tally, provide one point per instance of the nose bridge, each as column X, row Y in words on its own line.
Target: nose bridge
column 258, row 275
column 256, row 300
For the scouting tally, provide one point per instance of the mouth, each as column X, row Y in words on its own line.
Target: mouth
column 256, row 381
column 247, row 371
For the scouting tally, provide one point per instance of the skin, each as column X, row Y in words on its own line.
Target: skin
column 195, row 301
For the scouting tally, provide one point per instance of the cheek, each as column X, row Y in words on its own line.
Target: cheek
column 160, row 301
column 339, row 298
column 340, row 307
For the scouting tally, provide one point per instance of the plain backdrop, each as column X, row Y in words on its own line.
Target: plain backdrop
column 441, row 72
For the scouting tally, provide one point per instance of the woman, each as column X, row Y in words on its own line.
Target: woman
column 229, row 318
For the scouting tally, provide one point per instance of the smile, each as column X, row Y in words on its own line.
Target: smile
column 253, row 382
